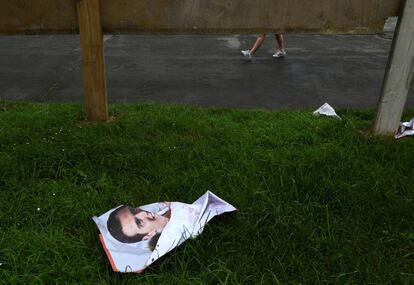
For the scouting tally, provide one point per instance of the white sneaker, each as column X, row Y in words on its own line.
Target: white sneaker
column 279, row 53
column 247, row 54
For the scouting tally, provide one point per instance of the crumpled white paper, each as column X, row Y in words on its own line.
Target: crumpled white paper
column 406, row 129
column 166, row 226
column 326, row 110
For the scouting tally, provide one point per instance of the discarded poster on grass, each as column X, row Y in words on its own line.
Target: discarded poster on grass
column 326, row 110
column 134, row 238
column 406, row 129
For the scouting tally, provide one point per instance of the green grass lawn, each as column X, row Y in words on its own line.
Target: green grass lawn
column 320, row 200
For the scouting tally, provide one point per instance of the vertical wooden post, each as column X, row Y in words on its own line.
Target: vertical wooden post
column 398, row 74
column 91, row 41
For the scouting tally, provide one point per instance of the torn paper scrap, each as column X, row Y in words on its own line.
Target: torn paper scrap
column 134, row 238
column 326, row 110
column 406, row 129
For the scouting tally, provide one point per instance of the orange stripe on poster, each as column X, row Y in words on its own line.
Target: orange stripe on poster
column 108, row 254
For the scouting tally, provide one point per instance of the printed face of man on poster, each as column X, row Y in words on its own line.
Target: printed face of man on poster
column 130, row 225
column 134, row 238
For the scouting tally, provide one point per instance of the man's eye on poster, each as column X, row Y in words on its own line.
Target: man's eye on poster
column 135, row 237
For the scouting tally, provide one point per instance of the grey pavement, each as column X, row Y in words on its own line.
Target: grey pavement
column 345, row 71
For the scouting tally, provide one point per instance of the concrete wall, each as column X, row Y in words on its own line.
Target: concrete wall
column 202, row 16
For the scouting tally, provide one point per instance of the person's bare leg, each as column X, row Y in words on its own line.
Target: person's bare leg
column 280, row 41
column 280, row 52
column 258, row 43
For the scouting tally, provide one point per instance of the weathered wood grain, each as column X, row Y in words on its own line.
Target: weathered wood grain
column 398, row 75
column 91, row 42
column 202, row 16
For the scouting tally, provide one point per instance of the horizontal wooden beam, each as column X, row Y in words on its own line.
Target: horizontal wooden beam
column 202, row 16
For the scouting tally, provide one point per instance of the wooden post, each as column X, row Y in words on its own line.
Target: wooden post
column 91, row 41
column 398, row 74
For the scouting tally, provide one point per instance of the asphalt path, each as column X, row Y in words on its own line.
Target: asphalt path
column 343, row 70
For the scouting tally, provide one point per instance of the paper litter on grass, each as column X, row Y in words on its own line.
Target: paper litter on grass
column 326, row 110
column 134, row 238
column 406, row 129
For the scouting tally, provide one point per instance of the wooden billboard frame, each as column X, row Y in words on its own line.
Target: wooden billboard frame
column 93, row 61
column 398, row 74
column 90, row 22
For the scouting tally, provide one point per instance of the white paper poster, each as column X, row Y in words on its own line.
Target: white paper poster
column 134, row 238
column 326, row 110
column 406, row 129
